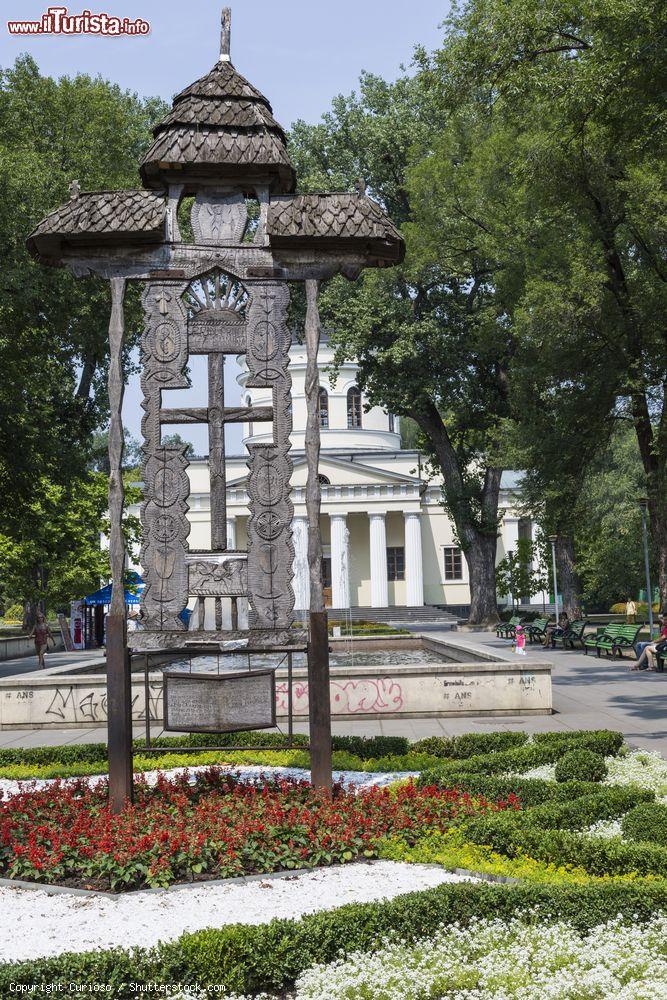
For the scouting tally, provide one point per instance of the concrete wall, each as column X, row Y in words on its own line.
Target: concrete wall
column 482, row 688
column 15, row 646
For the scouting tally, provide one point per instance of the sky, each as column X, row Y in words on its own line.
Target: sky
column 299, row 53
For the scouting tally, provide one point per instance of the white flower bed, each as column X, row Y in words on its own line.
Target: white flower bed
column 644, row 768
column 492, row 960
column 607, row 828
column 43, row 925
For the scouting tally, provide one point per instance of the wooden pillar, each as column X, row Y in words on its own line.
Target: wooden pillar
column 119, row 695
column 318, row 644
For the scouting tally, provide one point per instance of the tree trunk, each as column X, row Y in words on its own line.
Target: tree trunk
column 569, row 582
column 478, row 535
column 657, row 510
column 481, row 559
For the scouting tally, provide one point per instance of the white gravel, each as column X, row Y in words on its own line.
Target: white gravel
column 43, row 925
column 246, row 772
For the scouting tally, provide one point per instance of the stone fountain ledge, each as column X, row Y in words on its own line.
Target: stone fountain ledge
column 44, row 924
column 249, row 773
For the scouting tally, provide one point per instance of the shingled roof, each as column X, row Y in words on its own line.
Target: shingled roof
column 309, row 219
column 219, row 127
column 103, row 217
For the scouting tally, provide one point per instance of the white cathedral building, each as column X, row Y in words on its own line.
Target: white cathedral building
column 387, row 540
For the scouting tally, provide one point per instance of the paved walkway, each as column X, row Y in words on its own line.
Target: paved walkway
column 27, row 664
column 587, row 694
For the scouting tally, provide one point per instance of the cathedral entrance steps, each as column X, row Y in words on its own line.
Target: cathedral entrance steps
column 428, row 614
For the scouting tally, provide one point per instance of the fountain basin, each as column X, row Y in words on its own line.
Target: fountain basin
column 401, row 676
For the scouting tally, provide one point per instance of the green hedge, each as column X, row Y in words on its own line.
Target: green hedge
column 533, row 754
column 646, row 823
column 269, row 957
column 580, row 765
column 531, row 791
column 470, row 744
column 367, row 748
column 597, row 855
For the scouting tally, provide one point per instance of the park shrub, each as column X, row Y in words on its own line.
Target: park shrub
column 249, row 959
column 646, row 823
column 580, row 765
column 451, row 849
column 366, row 748
column 531, row 791
column 642, row 608
column 218, row 827
column 469, row 744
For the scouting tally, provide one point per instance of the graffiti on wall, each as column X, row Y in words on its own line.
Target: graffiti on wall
column 70, row 704
column 362, row 697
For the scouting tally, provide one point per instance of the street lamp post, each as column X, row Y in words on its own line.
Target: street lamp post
column 643, row 504
column 552, row 539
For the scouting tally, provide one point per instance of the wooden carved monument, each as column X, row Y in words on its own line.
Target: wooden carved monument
column 221, row 289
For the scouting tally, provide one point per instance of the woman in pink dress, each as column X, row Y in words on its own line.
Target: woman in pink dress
column 41, row 633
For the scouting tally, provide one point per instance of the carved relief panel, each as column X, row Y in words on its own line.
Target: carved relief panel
column 270, row 549
column 166, row 484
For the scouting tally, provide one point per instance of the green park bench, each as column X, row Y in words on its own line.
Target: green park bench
column 573, row 632
column 613, row 639
column 506, row 629
column 537, row 629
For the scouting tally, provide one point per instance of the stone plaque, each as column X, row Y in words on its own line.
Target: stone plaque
column 219, row 703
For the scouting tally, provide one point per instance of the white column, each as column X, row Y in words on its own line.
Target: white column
column 340, row 577
column 231, row 532
column 414, row 566
column 379, row 588
column 301, row 574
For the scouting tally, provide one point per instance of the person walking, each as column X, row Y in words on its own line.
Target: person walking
column 41, row 634
column 630, row 611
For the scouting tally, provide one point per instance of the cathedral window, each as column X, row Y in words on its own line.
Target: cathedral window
column 323, row 407
column 396, row 563
column 354, row 407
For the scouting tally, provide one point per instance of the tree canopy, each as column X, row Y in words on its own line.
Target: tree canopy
column 54, row 328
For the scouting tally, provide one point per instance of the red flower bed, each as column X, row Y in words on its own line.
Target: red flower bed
column 216, row 828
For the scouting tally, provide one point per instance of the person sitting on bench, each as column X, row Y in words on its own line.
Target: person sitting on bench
column 649, row 650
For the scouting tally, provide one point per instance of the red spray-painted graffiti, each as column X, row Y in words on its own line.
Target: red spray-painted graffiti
column 364, row 697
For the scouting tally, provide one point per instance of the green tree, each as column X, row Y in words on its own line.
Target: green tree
column 428, row 335
column 53, row 327
column 578, row 90
column 609, row 531
column 515, row 575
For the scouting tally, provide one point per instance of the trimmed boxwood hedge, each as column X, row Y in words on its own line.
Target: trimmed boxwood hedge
column 580, row 765
column 533, row 754
column 246, row 958
column 646, row 823
column 597, row 855
column 531, row 791
column 470, row 744
column 367, row 748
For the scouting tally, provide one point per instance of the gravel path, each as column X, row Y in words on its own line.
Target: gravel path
column 43, row 925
